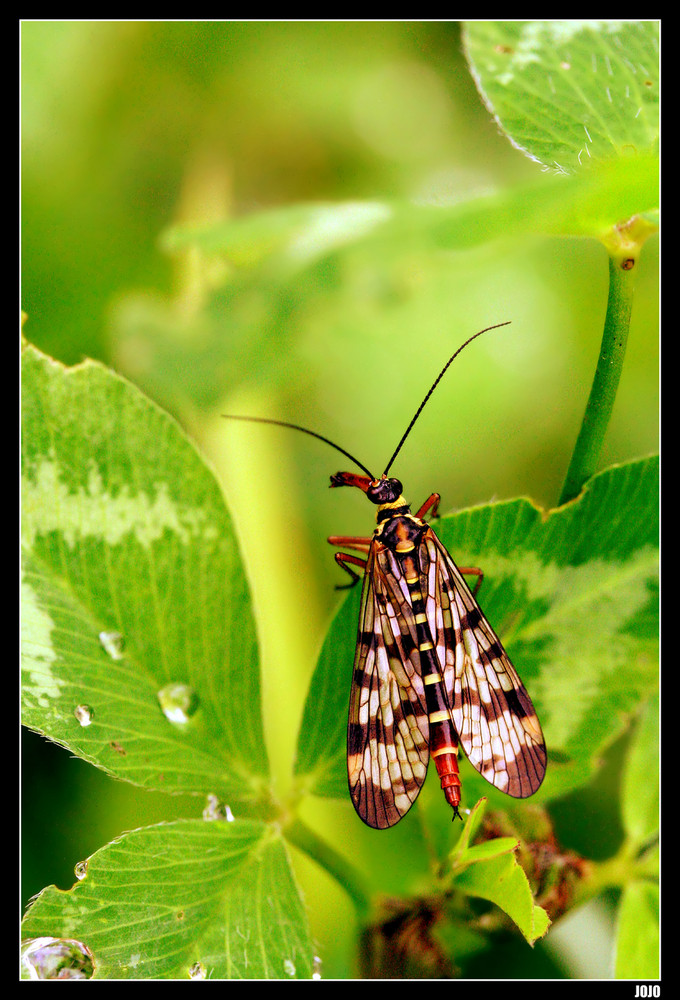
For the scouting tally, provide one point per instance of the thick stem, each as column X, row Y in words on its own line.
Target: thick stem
column 335, row 864
column 585, row 459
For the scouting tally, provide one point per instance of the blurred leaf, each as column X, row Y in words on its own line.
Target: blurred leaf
column 572, row 594
column 640, row 783
column 299, row 233
column 568, row 92
column 138, row 644
column 291, row 238
column 269, row 275
column 649, row 862
column 637, row 941
column 157, row 901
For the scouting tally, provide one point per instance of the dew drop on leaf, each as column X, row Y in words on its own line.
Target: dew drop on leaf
column 80, row 870
column 84, row 714
column 216, row 809
column 113, row 643
column 178, row 702
column 56, row 958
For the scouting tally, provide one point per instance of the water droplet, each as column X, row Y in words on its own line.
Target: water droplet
column 316, row 968
column 113, row 643
column 288, row 967
column 216, row 809
column 56, row 958
column 84, row 714
column 197, row 971
column 80, row 870
column 178, row 702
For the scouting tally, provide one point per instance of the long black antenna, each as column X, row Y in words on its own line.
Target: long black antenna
column 320, row 437
column 296, row 427
column 434, row 386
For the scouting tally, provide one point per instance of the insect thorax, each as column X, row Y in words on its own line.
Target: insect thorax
column 400, row 531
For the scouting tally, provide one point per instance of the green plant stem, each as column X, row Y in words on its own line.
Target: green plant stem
column 584, row 461
column 342, row 870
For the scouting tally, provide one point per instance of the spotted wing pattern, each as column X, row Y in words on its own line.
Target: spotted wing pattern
column 493, row 715
column 388, row 733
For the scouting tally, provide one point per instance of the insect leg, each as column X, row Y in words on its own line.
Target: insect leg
column 473, row 571
column 343, row 559
column 431, row 504
column 350, row 542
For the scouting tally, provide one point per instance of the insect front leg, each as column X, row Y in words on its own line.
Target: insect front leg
column 344, row 559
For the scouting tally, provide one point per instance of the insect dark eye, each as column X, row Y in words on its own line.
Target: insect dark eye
column 384, row 491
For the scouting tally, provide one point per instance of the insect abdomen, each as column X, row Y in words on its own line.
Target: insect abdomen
column 404, row 538
column 443, row 739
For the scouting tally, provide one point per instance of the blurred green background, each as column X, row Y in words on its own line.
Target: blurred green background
column 132, row 127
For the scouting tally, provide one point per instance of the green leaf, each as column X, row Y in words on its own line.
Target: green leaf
column 470, row 828
column 138, row 643
column 570, row 92
column 572, row 594
column 217, row 898
column 487, row 850
column 500, row 879
column 463, row 854
column 490, row 870
column 637, row 939
column 321, row 758
column 640, row 783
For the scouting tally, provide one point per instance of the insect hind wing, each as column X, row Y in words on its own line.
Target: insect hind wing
column 493, row 715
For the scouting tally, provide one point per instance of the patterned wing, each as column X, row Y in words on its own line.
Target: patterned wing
column 492, row 712
column 388, row 731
